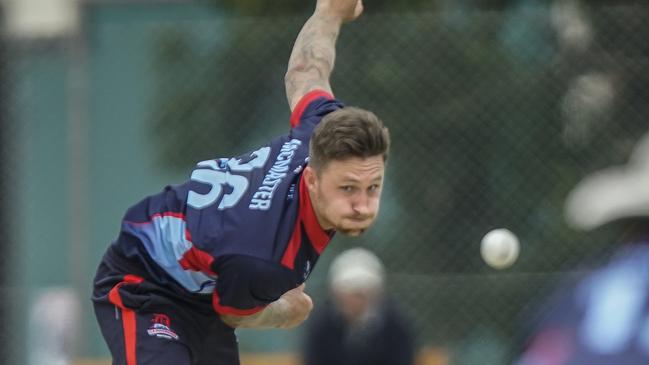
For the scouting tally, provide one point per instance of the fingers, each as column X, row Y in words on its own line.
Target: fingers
column 345, row 10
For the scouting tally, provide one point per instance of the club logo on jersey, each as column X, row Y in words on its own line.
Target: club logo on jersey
column 307, row 270
column 161, row 327
column 262, row 198
column 291, row 193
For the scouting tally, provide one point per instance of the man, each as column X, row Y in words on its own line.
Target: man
column 604, row 318
column 362, row 326
column 233, row 246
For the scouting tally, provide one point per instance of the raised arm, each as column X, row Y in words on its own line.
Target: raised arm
column 314, row 52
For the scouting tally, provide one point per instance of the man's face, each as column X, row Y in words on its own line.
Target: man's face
column 354, row 304
column 346, row 193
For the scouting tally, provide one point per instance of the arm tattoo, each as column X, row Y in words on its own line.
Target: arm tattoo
column 274, row 315
column 312, row 59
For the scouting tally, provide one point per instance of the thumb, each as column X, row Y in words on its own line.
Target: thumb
column 359, row 9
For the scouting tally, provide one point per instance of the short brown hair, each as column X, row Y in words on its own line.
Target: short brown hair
column 348, row 132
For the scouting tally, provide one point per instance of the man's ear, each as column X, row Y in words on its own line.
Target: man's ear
column 310, row 178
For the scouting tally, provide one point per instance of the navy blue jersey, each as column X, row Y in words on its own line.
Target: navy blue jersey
column 242, row 229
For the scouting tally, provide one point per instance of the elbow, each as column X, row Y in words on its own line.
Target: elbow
column 291, row 86
column 231, row 321
column 289, row 79
column 297, row 70
column 288, row 76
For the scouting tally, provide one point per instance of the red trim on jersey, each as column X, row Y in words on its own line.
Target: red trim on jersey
column 194, row 259
column 197, row 260
column 224, row 309
column 305, row 218
column 288, row 260
column 169, row 214
column 113, row 295
column 304, row 102
column 128, row 318
column 319, row 237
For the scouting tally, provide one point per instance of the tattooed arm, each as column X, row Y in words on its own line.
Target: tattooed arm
column 314, row 52
column 288, row 311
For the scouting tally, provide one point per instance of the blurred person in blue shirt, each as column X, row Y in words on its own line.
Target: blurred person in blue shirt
column 603, row 319
column 360, row 326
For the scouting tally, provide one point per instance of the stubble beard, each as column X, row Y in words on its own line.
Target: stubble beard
column 351, row 232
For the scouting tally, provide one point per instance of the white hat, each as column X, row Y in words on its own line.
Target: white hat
column 613, row 193
column 356, row 269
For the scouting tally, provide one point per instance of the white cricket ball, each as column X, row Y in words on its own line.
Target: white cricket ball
column 499, row 248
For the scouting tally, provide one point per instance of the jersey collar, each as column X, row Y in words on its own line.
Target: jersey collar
column 317, row 235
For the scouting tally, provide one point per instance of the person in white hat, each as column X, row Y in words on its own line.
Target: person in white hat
column 360, row 326
column 604, row 318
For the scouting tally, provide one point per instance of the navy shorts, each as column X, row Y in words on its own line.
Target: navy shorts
column 143, row 324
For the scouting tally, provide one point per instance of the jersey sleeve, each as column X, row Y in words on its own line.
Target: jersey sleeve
column 312, row 108
column 246, row 284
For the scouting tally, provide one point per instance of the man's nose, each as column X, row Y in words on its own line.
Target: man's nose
column 361, row 204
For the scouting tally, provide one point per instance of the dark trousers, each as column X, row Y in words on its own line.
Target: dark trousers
column 142, row 324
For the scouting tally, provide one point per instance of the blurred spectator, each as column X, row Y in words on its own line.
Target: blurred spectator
column 360, row 326
column 604, row 318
